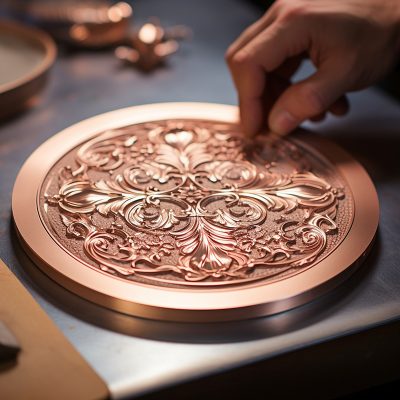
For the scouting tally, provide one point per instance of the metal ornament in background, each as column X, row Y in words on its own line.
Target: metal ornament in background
column 100, row 23
column 149, row 46
column 89, row 24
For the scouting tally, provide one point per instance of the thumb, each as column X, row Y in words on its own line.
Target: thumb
column 306, row 99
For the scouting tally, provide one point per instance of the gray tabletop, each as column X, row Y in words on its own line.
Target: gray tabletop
column 135, row 356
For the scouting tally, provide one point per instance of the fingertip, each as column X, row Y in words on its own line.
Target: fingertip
column 251, row 117
column 248, row 128
column 248, row 125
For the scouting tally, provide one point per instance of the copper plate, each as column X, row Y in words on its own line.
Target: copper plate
column 165, row 211
column 26, row 56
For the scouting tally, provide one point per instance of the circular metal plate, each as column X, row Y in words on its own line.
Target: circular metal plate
column 27, row 55
column 165, row 211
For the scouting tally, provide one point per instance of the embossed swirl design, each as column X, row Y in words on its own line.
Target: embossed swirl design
column 189, row 203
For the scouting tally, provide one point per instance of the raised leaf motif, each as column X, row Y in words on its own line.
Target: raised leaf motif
column 189, row 202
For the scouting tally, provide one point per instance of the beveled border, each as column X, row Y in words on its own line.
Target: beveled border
column 204, row 304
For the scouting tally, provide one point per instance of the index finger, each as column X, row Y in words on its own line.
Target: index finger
column 249, row 66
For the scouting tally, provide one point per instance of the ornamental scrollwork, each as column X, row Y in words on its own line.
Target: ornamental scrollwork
column 191, row 202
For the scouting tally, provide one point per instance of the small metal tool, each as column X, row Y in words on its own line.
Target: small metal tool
column 149, row 46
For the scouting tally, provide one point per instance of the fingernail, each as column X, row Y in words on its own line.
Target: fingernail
column 283, row 122
column 251, row 118
column 247, row 125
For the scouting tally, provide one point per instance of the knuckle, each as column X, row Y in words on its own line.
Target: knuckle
column 314, row 100
column 241, row 59
column 294, row 10
column 270, row 10
column 229, row 55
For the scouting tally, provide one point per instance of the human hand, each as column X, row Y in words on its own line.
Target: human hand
column 352, row 44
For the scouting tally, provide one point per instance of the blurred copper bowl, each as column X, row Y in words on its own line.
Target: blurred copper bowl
column 22, row 89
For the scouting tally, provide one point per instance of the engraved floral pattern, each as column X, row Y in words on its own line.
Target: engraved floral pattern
column 189, row 202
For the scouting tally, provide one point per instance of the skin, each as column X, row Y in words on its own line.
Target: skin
column 352, row 44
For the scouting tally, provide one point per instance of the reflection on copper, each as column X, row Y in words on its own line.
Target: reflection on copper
column 79, row 32
column 174, row 215
column 82, row 23
column 119, row 11
column 151, row 45
column 234, row 331
column 149, row 34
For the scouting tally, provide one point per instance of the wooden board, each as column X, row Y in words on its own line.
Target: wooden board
column 47, row 366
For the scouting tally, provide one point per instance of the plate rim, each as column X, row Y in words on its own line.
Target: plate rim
column 27, row 86
column 29, row 34
column 202, row 304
